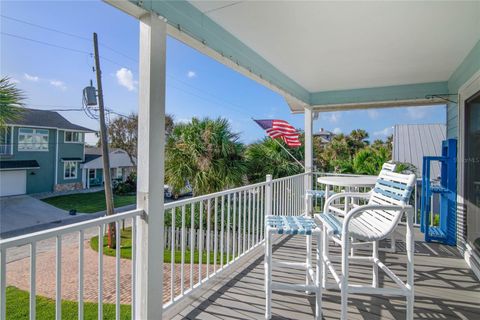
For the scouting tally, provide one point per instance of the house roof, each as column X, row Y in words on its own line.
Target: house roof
column 48, row 119
column 98, row 150
column 411, row 142
column 18, row 164
column 90, row 157
column 118, row 159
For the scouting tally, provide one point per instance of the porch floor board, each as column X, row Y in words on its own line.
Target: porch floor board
column 444, row 288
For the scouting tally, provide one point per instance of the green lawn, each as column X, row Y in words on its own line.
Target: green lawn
column 18, row 307
column 88, row 202
column 126, row 250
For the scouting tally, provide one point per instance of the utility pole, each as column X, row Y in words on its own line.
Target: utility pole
column 104, row 140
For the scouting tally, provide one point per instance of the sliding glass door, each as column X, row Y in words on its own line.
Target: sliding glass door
column 472, row 170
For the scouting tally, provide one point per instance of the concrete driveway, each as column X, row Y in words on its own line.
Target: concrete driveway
column 26, row 213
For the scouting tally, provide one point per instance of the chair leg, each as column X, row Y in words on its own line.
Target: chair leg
column 410, row 241
column 268, row 275
column 308, row 261
column 324, row 254
column 392, row 245
column 375, row 266
column 344, row 283
column 319, row 270
column 352, row 249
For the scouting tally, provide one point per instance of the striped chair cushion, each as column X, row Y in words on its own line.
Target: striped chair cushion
column 291, row 225
column 315, row 193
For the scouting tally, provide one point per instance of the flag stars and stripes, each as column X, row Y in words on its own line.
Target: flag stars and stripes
column 281, row 129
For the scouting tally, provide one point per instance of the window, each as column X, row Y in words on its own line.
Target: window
column 32, row 139
column 71, row 136
column 119, row 173
column 92, row 174
column 70, row 169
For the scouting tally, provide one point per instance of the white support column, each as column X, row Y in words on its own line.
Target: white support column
column 308, row 116
column 151, row 145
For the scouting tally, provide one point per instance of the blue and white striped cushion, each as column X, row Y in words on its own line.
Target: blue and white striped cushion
column 291, row 225
column 316, row 193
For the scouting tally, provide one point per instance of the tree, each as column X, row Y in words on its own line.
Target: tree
column 123, row 133
column 206, row 154
column 268, row 157
column 370, row 160
column 11, row 102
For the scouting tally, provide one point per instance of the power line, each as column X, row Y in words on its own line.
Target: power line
column 67, row 34
column 45, row 28
column 45, row 43
column 90, row 54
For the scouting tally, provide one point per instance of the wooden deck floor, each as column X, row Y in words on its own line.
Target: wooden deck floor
column 445, row 289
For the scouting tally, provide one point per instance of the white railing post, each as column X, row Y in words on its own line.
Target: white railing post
column 151, row 144
column 268, row 196
column 308, row 117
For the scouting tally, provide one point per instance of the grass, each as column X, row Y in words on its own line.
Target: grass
column 18, row 307
column 126, row 250
column 88, row 202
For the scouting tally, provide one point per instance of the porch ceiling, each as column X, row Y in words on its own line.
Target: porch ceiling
column 325, row 46
column 330, row 54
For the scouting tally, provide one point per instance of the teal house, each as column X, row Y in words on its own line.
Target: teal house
column 41, row 152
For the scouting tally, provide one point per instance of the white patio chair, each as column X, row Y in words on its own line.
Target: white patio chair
column 372, row 222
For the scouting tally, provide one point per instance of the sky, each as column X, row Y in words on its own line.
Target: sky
column 52, row 68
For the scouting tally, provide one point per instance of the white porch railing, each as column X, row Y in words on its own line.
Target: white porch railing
column 229, row 222
column 32, row 240
column 207, row 235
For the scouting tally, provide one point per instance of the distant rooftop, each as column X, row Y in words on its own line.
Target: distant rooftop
column 48, row 119
column 411, row 142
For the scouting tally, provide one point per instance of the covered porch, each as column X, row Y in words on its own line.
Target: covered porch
column 321, row 56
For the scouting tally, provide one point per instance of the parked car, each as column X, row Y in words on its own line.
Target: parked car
column 185, row 191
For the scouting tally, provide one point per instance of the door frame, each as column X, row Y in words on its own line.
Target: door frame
column 466, row 91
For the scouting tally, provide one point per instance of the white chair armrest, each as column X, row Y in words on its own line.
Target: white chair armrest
column 360, row 195
column 356, row 211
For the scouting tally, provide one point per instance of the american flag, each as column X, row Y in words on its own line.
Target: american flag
column 281, row 129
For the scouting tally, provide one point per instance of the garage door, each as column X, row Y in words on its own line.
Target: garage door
column 13, row 182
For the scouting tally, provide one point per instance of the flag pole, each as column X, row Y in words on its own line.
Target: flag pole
column 283, row 147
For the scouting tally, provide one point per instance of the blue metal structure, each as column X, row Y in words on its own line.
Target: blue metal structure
column 446, row 230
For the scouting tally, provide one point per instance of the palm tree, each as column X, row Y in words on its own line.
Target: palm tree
column 206, row 154
column 370, row 160
column 11, row 101
column 268, row 157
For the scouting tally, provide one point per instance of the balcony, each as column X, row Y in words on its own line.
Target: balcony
column 219, row 273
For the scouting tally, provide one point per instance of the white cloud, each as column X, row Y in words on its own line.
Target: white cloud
column 125, row 79
column 332, row 117
column 183, row 120
column 31, row 78
column 15, row 81
column 59, row 84
column 373, row 114
column 417, row 113
column 191, row 74
column 337, row 130
column 384, row 133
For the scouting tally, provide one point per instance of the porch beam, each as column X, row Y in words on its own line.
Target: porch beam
column 379, row 97
column 151, row 155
